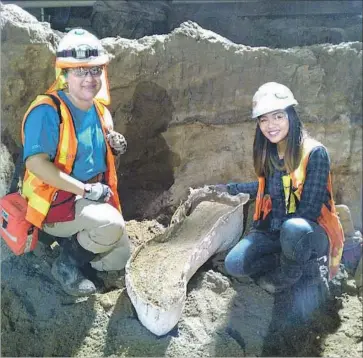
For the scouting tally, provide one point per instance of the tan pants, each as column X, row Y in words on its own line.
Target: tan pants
column 101, row 230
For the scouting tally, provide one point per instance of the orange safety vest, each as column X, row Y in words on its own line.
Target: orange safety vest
column 328, row 219
column 39, row 194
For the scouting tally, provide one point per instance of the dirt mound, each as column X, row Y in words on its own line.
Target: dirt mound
column 222, row 317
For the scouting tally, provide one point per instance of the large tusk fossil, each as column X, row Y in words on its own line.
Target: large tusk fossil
column 158, row 271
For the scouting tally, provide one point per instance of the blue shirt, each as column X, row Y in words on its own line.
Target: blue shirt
column 42, row 136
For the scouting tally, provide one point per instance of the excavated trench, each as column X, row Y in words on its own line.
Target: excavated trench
column 223, row 316
column 146, row 170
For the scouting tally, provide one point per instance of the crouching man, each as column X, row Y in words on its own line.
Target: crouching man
column 70, row 181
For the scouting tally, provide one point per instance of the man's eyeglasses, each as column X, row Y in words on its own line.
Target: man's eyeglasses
column 95, row 71
column 274, row 118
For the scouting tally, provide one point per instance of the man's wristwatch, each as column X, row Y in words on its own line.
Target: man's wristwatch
column 87, row 189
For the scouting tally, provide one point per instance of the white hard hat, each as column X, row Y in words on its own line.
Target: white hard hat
column 271, row 96
column 80, row 48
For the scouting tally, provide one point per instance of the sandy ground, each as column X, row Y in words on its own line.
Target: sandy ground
column 223, row 317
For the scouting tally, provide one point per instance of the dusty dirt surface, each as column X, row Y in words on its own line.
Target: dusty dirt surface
column 223, row 317
column 157, row 269
column 141, row 231
column 346, row 341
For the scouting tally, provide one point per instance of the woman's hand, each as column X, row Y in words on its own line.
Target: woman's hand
column 219, row 188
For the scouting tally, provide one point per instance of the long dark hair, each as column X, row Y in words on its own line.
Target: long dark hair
column 265, row 156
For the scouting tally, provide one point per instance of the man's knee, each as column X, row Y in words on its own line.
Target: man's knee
column 294, row 237
column 112, row 228
column 116, row 258
column 117, row 226
column 105, row 237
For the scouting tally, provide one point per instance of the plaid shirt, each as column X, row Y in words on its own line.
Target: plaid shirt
column 314, row 193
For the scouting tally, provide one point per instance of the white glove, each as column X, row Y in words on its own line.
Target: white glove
column 117, row 142
column 97, row 192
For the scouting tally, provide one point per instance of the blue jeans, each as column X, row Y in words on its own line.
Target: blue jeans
column 298, row 240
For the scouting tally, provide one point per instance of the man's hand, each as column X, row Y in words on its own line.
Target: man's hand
column 117, row 142
column 97, row 192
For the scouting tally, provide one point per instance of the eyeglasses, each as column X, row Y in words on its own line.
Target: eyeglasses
column 84, row 71
column 275, row 118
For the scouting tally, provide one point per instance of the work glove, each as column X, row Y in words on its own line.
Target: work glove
column 117, row 142
column 97, row 192
column 219, row 188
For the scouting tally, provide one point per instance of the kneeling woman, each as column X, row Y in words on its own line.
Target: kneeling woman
column 295, row 220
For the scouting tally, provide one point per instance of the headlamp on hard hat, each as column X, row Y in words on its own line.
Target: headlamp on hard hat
column 82, row 53
column 80, row 48
column 79, row 53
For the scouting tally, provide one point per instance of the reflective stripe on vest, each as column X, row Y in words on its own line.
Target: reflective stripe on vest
column 294, row 183
column 29, row 191
column 110, row 175
column 39, row 194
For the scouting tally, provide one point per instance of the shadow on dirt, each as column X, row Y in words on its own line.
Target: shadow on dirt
column 302, row 317
column 292, row 323
column 37, row 318
column 125, row 333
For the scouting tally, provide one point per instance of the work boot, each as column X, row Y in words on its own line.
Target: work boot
column 70, row 277
column 80, row 255
column 282, row 278
column 311, row 269
column 315, row 271
column 45, row 238
column 66, row 268
column 267, row 264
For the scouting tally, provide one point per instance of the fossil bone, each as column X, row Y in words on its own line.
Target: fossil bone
column 158, row 271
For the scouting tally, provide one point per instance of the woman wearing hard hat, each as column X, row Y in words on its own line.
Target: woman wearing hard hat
column 295, row 220
column 70, row 182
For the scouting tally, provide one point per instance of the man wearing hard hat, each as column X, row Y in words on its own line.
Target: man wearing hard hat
column 70, row 181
